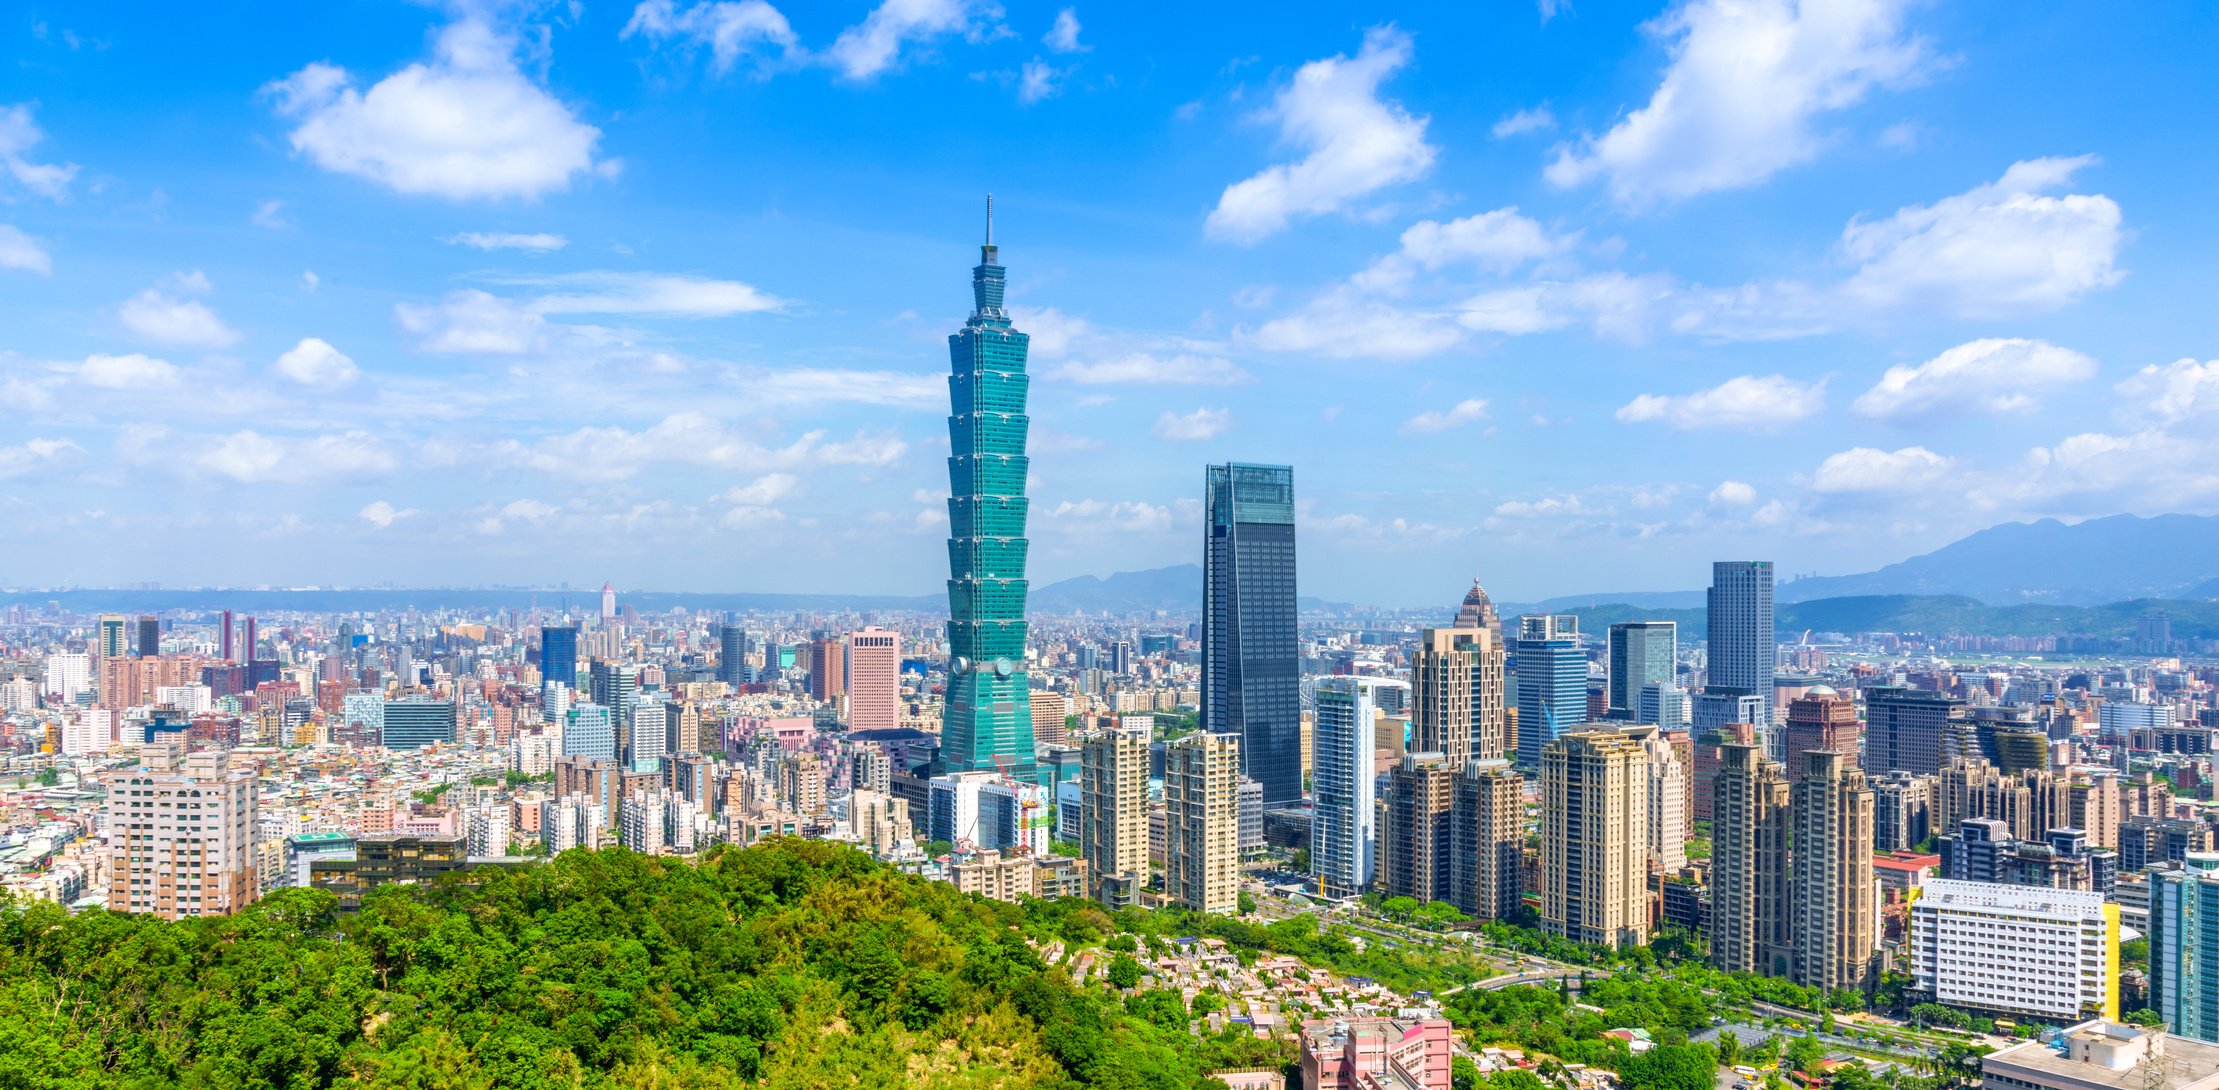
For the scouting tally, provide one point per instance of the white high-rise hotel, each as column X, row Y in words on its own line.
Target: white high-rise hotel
column 1343, row 822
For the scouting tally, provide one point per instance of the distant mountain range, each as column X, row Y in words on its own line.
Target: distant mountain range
column 2111, row 559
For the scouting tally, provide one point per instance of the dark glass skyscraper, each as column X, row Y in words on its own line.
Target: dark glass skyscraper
column 1741, row 646
column 988, row 720
column 1251, row 661
column 732, row 655
column 558, row 654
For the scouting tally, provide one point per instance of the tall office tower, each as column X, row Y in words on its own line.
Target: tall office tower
column 1909, row 730
column 414, row 724
column 1750, row 930
column 1595, row 839
column 1417, row 843
column 1822, row 719
column 1489, row 820
column 616, row 687
column 608, row 603
column 1642, row 653
column 988, row 719
column 181, row 833
column 149, row 644
column 828, row 668
column 223, row 638
column 1742, row 649
column 1342, row 837
column 874, row 679
column 1456, row 706
column 558, row 654
column 111, row 642
column 1832, row 904
column 732, row 655
column 1478, row 611
column 2184, row 932
column 248, row 646
column 1552, row 683
column 1201, row 846
column 1668, row 786
column 1113, row 811
column 1251, row 660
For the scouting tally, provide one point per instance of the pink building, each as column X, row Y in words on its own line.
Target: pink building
column 1376, row 1054
column 794, row 732
column 874, row 679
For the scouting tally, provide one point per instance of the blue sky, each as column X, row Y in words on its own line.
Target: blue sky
column 1576, row 297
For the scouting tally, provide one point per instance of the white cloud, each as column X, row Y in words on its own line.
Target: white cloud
column 1536, row 119
column 467, row 124
column 1547, row 507
column 18, row 135
column 270, row 215
column 1147, row 368
column 763, row 491
column 1432, row 421
column 309, row 280
column 21, row 251
column 314, row 362
column 34, row 456
column 732, row 29
column 1500, row 241
column 1864, row 469
column 1036, row 81
column 2173, row 392
column 249, row 457
column 489, row 241
column 1193, row 427
column 1129, row 516
column 1343, row 325
column 651, row 294
column 1052, row 331
column 1355, row 143
column 1753, row 402
column 1613, row 304
column 158, row 316
column 691, row 438
column 1064, row 36
column 472, row 322
column 1996, row 249
column 817, row 385
column 128, row 372
column 1733, row 494
column 381, row 514
column 875, row 44
column 1992, row 375
column 1738, row 102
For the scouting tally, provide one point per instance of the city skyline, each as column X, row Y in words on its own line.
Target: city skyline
column 610, row 345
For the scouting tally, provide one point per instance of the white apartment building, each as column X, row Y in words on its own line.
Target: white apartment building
column 2050, row 953
column 181, row 829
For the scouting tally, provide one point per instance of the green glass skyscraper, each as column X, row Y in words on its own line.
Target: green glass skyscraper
column 987, row 722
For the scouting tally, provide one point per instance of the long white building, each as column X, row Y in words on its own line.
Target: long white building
column 2050, row 953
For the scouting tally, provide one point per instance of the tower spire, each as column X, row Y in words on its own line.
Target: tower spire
column 987, row 252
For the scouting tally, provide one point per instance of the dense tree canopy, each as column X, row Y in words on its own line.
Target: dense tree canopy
column 792, row 964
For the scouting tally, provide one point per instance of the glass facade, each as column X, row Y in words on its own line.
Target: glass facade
column 1251, row 660
column 558, row 654
column 988, row 720
column 1642, row 654
column 1742, row 649
column 414, row 724
column 1552, row 684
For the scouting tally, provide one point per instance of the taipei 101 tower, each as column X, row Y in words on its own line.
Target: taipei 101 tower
column 987, row 724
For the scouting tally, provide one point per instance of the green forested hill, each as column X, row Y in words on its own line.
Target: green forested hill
column 788, row 965
column 1935, row 614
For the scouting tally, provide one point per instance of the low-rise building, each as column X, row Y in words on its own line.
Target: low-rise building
column 1377, row 1054
column 2104, row 1055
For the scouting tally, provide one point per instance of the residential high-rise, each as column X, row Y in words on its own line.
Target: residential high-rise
column 1201, row 848
column 1595, row 839
column 2049, row 953
column 223, row 638
column 2184, row 936
column 1456, row 694
column 1642, row 653
column 1668, row 787
column 1909, row 730
column 414, row 724
column 181, row 830
column 874, row 679
column 150, row 637
column 1552, row 683
column 988, row 716
column 1832, row 907
column 1478, row 611
column 1823, row 719
column 608, row 603
column 1113, row 811
column 828, row 668
column 1342, row 836
column 1489, row 819
column 1742, row 650
column 1417, row 844
column 1251, row 660
column 1902, row 809
column 558, row 654
column 111, row 644
column 732, row 655
column 1749, row 925
column 589, row 731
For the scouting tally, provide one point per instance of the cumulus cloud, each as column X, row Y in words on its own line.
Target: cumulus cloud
column 1536, row 119
column 1354, row 142
column 1546, row 507
column 1151, row 369
column 1614, row 305
column 1865, row 469
column 469, row 321
column 1130, row 516
column 690, row 438
column 1064, row 36
column 730, row 29
column 1733, row 494
column 1751, row 402
column 1740, row 98
column 250, row 457
column 1500, row 241
column 35, row 456
column 314, row 362
column 1433, row 421
column 2173, row 392
column 1996, row 249
column 127, row 372
column 19, row 133
column 819, row 385
column 468, row 124
column 163, row 318
column 1345, row 325
column 762, row 491
column 650, row 294
column 1193, row 427
column 1991, row 375
column 21, row 251
column 381, row 514
column 876, row 44
column 489, row 241
column 270, row 215
column 1037, row 80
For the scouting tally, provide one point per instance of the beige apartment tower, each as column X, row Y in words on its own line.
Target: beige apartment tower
column 1417, row 839
column 1488, row 820
column 1113, row 811
column 181, row 830
column 1201, row 782
column 1749, row 862
column 1832, row 906
column 1457, row 695
column 1595, row 839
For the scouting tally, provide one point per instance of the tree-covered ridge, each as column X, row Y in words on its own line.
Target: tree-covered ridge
column 791, row 964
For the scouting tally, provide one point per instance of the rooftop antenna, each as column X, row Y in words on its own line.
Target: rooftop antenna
column 990, row 219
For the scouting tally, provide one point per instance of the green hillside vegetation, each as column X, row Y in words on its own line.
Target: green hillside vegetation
column 1938, row 614
column 787, row 965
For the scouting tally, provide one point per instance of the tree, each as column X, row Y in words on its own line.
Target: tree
column 1729, row 1048
column 1124, row 971
column 1804, row 1053
column 1398, row 908
column 1245, row 903
column 1301, row 860
column 1463, row 1074
column 2144, row 1017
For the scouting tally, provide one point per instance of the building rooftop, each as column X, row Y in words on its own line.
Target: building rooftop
column 2102, row 1055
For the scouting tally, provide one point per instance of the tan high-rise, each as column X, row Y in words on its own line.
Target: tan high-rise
column 1832, row 909
column 1668, row 830
column 1749, row 862
column 1456, row 681
column 1417, row 849
column 1113, row 812
column 181, row 830
column 1487, row 878
column 1201, row 778
column 1595, row 839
